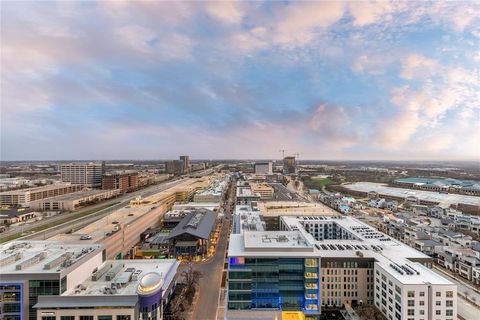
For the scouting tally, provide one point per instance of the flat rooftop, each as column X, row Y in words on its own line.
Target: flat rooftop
column 126, row 268
column 78, row 195
column 365, row 242
column 32, row 256
column 441, row 198
column 114, row 284
column 36, row 189
column 294, row 208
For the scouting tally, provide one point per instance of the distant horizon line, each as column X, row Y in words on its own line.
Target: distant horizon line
column 237, row 159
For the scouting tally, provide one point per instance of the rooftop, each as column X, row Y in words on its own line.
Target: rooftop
column 118, row 282
column 36, row 189
column 42, row 256
column 79, row 195
column 441, row 198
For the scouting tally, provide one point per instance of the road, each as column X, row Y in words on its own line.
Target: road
column 83, row 221
column 206, row 306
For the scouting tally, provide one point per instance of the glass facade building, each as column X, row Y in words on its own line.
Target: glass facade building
column 11, row 301
column 290, row 284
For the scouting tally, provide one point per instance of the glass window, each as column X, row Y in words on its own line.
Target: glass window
column 67, row 318
column 449, row 294
column 104, row 317
column 438, row 294
column 438, row 312
column 48, row 318
column 411, row 294
column 123, row 317
column 86, row 317
column 449, row 303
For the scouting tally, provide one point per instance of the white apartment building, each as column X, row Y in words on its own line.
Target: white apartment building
column 88, row 174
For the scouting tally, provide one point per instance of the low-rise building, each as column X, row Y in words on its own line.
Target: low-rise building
column 23, row 197
column 191, row 238
column 74, row 201
column 118, row 289
column 265, row 190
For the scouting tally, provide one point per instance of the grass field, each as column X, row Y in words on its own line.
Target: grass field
column 57, row 222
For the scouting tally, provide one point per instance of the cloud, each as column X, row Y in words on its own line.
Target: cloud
column 417, row 66
column 226, row 11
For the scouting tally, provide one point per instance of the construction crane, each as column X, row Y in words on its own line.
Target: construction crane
column 297, row 155
column 283, row 153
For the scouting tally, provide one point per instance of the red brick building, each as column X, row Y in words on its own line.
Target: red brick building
column 125, row 181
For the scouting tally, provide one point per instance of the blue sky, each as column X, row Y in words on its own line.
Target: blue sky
column 152, row 80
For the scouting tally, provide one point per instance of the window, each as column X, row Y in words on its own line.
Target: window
column 48, row 318
column 86, row 317
column 449, row 312
column 104, row 317
column 449, row 303
column 449, row 294
column 422, row 293
column 411, row 312
column 438, row 294
column 422, row 312
column 422, row 303
column 67, row 318
column 411, row 294
column 438, row 303
column 438, row 312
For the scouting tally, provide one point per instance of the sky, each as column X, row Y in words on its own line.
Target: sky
column 225, row 80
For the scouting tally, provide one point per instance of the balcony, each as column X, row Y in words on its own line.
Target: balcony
column 311, row 296
column 311, row 286
column 311, row 275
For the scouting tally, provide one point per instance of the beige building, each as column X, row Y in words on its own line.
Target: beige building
column 73, row 201
column 24, row 197
column 264, row 190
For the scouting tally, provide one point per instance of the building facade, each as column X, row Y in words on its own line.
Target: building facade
column 289, row 165
column 87, row 174
column 263, row 168
column 23, row 197
column 124, row 181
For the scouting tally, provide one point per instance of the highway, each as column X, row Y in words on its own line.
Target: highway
column 83, row 221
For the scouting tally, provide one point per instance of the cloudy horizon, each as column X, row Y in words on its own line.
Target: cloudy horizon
column 240, row 80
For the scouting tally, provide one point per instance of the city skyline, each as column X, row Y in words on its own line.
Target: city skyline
column 226, row 80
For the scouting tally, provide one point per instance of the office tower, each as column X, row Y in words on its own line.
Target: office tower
column 263, row 168
column 186, row 163
column 289, row 165
column 87, row 174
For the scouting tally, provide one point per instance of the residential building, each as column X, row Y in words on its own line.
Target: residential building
column 263, row 168
column 126, row 181
column 174, row 167
column 87, row 174
column 23, row 197
column 245, row 195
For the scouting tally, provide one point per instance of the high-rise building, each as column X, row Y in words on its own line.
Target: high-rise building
column 186, row 163
column 87, row 174
column 175, row 167
column 289, row 165
column 263, row 168
column 317, row 262
column 126, row 181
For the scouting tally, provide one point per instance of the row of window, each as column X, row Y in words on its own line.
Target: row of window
column 101, row 317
